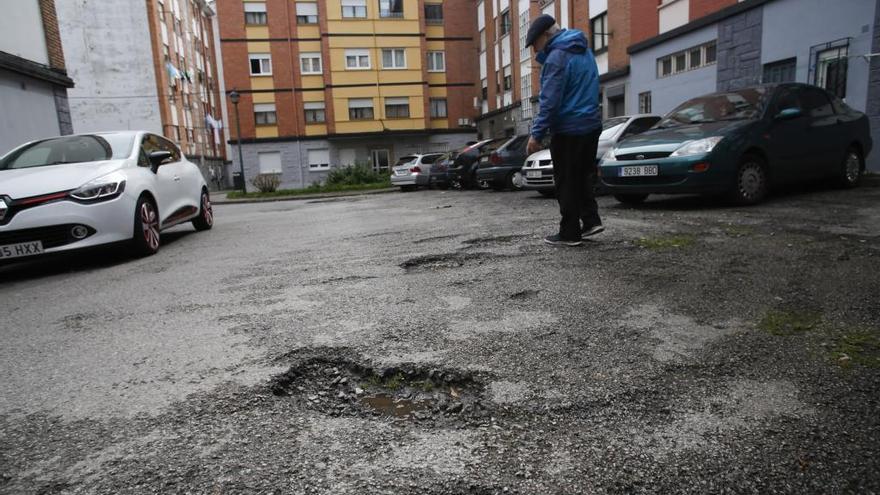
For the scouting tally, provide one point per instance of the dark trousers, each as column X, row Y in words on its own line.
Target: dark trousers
column 574, row 171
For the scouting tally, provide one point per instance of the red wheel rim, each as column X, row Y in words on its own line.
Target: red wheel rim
column 150, row 225
column 207, row 212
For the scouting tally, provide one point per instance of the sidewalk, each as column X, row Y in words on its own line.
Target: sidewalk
column 219, row 197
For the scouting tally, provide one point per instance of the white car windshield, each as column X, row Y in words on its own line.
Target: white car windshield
column 69, row 149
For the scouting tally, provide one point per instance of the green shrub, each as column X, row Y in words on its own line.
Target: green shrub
column 360, row 173
column 267, row 183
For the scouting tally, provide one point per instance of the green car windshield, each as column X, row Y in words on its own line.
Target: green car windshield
column 745, row 104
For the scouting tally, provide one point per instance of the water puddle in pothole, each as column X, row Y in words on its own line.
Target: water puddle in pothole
column 388, row 405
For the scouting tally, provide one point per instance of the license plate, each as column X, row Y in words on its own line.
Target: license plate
column 533, row 174
column 21, row 249
column 639, row 171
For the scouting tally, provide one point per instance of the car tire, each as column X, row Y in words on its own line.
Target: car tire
column 751, row 181
column 851, row 169
column 147, row 238
column 631, row 199
column 205, row 220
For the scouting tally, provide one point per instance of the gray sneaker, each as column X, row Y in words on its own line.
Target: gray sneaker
column 556, row 240
column 595, row 229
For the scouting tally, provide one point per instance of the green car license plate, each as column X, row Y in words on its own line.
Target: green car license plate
column 639, row 171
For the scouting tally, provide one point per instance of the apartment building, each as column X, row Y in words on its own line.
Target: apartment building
column 33, row 77
column 342, row 82
column 685, row 48
column 146, row 65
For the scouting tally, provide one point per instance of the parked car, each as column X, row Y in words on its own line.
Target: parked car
column 412, row 171
column 441, row 175
column 741, row 143
column 464, row 169
column 537, row 172
column 86, row 190
column 501, row 169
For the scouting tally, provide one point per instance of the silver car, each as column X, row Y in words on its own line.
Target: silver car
column 537, row 173
column 412, row 171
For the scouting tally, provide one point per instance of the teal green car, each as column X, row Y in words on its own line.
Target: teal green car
column 740, row 144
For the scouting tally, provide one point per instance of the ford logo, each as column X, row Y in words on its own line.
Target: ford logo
column 4, row 207
column 640, row 157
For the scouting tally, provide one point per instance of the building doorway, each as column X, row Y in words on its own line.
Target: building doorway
column 381, row 160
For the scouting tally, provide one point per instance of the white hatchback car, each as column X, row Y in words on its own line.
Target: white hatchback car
column 537, row 172
column 86, row 190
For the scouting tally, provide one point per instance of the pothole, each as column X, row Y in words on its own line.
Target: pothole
column 524, row 294
column 339, row 386
column 445, row 261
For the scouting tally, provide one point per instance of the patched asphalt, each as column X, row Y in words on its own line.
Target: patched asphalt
column 429, row 342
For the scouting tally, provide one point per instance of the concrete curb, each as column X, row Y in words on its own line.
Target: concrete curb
column 304, row 197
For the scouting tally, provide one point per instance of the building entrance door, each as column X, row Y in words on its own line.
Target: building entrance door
column 381, row 160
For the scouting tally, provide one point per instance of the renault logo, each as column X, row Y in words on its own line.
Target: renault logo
column 4, row 207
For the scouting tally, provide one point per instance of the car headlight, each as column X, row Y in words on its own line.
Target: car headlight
column 102, row 188
column 698, row 147
column 609, row 156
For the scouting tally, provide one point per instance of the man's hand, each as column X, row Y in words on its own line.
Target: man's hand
column 534, row 146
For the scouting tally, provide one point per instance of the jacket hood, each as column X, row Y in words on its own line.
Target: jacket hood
column 570, row 40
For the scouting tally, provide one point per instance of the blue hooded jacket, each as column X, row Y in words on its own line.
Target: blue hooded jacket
column 569, row 87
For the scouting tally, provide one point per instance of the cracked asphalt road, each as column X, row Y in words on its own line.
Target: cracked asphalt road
column 692, row 348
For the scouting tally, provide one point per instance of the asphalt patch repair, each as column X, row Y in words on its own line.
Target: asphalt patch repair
column 349, row 386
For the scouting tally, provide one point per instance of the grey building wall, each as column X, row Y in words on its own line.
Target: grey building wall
column 792, row 27
column 296, row 173
column 108, row 53
column 504, row 123
column 669, row 92
column 29, row 110
column 739, row 50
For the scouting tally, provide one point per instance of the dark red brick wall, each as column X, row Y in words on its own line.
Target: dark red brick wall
column 53, row 36
column 619, row 27
column 462, row 59
column 644, row 20
column 701, row 8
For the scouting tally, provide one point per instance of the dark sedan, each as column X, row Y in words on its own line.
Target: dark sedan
column 502, row 168
column 463, row 170
column 442, row 177
column 740, row 143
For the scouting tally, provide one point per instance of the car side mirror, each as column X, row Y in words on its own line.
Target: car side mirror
column 789, row 114
column 157, row 158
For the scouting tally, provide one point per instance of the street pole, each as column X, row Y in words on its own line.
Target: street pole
column 234, row 97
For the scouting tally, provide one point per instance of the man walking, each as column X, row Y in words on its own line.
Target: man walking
column 570, row 113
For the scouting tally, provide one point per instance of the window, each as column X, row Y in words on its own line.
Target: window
column 641, row 125
column 438, row 108
column 397, row 108
column 310, row 62
column 306, row 13
column 482, row 40
column 508, row 79
column 393, row 58
column 436, row 61
column 786, row 98
column 434, row 13
column 270, row 162
column 780, row 72
column 485, row 91
column 526, row 89
column 255, row 14
column 816, row 102
column 645, row 102
column 832, row 65
column 390, row 8
column 314, row 111
column 319, row 159
column 504, row 23
column 261, row 64
column 357, row 59
column 354, row 9
column 599, row 30
column 360, row 109
column 690, row 59
column 264, row 114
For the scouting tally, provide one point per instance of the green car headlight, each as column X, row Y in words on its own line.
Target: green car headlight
column 698, row 147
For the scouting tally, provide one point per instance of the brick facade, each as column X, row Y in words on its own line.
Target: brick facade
column 701, row 8
column 620, row 29
column 53, row 36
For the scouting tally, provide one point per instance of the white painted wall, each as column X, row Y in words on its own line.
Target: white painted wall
column 563, row 20
column 481, row 16
column 32, row 104
column 597, row 7
column 674, row 13
column 602, row 63
column 22, row 28
column 523, row 6
column 108, row 54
